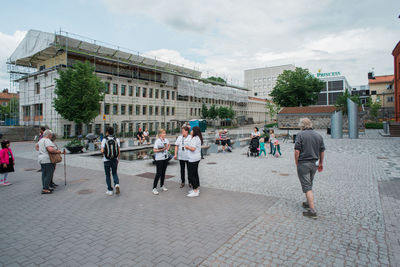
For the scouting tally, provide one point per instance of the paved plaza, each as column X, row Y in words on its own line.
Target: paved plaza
column 249, row 212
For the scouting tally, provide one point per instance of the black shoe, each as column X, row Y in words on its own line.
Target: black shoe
column 306, row 205
column 54, row 185
column 310, row 214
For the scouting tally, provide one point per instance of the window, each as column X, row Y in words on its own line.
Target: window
column 106, row 109
column 27, row 113
column 123, row 108
column 167, row 94
column 37, row 88
column 156, row 93
column 335, row 85
column 115, row 89
column 137, row 91
column 144, row 110
column 173, row 111
column 137, row 110
column 162, row 94
column 67, row 130
column 130, row 109
column 150, row 126
column 150, row 110
column 130, row 128
column 123, row 89
column 150, row 92
column 390, row 99
column 144, row 92
column 107, row 87
column 191, row 111
column 130, row 90
column 115, row 109
column 156, row 110
column 373, row 92
column 97, row 129
column 173, row 95
column 167, row 111
column 162, row 110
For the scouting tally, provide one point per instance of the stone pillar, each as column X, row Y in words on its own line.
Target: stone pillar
column 337, row 125
column 352, row 110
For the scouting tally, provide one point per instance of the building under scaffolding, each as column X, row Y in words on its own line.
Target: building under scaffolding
column 140, row 91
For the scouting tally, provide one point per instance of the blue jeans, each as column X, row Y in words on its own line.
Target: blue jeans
column 111, row 164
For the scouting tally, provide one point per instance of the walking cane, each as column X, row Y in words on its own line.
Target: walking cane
column 65, row 169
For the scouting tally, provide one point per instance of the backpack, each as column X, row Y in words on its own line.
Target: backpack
column 111, row 148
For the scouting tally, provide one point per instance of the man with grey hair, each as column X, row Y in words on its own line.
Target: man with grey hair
column 308, row 150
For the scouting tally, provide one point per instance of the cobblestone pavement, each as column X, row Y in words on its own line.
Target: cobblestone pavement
column 357, row 198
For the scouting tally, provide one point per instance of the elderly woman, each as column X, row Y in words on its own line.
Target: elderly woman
column 47, row 146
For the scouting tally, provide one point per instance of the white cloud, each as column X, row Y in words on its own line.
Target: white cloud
column 8, row 43
column 237, row 35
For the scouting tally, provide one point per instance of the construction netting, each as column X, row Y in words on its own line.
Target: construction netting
column 191, row 87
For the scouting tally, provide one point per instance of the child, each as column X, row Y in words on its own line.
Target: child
column 6, row 162
column 277, row 149
column 262, row 147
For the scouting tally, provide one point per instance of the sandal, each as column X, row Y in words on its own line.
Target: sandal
column 46, row 191
column 182, row 185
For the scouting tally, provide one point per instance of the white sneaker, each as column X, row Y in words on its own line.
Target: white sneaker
column 190, row 191
column 194, row 194
column 117, row 191
column 164, row 189
column 109, row 193
column 155, row 192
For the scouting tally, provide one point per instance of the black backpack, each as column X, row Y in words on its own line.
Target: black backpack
column 111, row 148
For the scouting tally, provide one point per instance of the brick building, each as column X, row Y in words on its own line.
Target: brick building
column 396, row 55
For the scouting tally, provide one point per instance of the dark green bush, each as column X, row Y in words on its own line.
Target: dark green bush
column 373, row 125
column 271, row 125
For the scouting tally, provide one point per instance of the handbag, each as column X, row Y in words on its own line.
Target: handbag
column 55, row 158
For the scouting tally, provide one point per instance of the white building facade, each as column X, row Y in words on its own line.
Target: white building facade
column 261, row 81
column 335, row 85
column 140, row 92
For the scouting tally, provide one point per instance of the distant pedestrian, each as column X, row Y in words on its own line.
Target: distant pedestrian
column 140, row 137
column 262, row 147
column 255, row 133
column 146, row 136
column 277, row 149
column 271, row 140
column 110, row 148
column 41, row 131
column 182, row 154
column 161, row 147
column 46, row 146
column 194, row 148
column 7, row 162
column 309, row 149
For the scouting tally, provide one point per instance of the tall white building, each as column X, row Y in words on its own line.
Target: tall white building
column 139, row 91
column 261, row 81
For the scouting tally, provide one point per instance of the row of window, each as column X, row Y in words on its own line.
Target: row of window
column 139, row 110
column 264, row 80
column 139, row 91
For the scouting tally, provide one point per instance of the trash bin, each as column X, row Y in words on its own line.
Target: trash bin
column 203, row 125
column 328, row 131
column 386, row 127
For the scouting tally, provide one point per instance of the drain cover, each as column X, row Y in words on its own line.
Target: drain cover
column 29, row 169
column 150, row 175
column 211, row 163
column 274, row 171
column 284, row 174
column 85, row 191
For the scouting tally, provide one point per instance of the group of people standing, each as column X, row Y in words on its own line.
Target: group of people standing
column 275, row 147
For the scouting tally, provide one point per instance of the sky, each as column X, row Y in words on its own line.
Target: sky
column 223, row 37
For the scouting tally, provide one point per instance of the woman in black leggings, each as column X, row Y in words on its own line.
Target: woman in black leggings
column 194, row 149
column 161, row 147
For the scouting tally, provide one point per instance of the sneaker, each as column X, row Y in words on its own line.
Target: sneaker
column 193, row 194
column 190, row 191
column 2, row 184
column 117, row 191
column 164, row 189
column 155, row 192
column 109, row 193
column 310, row 214
column 306, row 205
column 7, row 183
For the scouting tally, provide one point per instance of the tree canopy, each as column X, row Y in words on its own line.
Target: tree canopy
column 216, row 79
column 296, row 88
column 272, row 109
column 78, row 93
column 213, row 112
column 341, row 101
column 204, row 111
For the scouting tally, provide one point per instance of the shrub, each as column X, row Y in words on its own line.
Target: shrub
column 373, row 125
column 74, row 143
column 271, row 125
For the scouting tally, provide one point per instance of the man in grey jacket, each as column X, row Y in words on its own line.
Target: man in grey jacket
column 308, row 150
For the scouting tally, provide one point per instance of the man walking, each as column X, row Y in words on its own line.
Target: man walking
column 110, row 148
column 308, row 150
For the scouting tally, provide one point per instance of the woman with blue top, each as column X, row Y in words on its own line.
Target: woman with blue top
column 161, row 147
column 194, row 153
column 182, row 154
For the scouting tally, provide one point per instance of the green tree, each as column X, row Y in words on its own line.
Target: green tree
column 204, row 111
column 223, row 113
column 341, row 101
column 272, row 109
column 78, row 93
column 216, row 79
column 213, row 112
column 231, row 113
column 373, row 108
column 296, row 88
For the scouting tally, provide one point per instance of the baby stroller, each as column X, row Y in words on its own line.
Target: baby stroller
column 253, row 147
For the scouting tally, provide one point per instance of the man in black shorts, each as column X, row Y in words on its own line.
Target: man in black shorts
column 308, row 150
column 140, row 137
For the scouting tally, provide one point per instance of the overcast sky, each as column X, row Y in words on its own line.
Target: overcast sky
column 224, row 37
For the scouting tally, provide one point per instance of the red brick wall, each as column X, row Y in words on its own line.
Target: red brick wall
column 396, row 55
